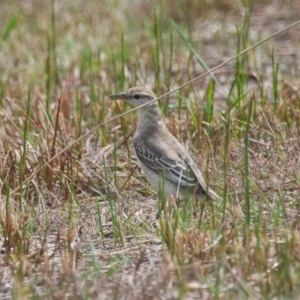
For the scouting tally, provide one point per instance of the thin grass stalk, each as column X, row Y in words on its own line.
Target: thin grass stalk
column 78, row 113
column 114, row 65
column 53, row 42
column 48, row 76
column 209, row 107
column 52, row 151
column 23, row 157
column 171, row 49
column 169, row 71
column 157, row 52
column 1, row 94
column 226, row 149
column 275, row 68
column 123, row 63
column 113, row 208
column 239, row 70
column 92, row 93
column 10, row 26
column 99, row 214
column 246, row 165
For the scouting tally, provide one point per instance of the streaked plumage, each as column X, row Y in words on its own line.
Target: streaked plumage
column 159, row 153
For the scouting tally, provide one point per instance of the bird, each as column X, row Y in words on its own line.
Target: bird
column 165, row 162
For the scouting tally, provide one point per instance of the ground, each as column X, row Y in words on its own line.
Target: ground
column 78, row 218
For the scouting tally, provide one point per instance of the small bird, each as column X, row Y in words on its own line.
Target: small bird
column 160, row 155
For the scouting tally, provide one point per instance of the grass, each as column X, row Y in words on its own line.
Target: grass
column 84, row 226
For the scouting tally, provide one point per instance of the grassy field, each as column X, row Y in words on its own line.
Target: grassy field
column 83, row 226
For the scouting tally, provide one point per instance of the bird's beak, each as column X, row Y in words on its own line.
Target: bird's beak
column 121, row 96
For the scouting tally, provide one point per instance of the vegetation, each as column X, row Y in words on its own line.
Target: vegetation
column 77, row 216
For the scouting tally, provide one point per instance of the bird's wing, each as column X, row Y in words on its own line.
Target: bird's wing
column 178, row 171
column 171, row 159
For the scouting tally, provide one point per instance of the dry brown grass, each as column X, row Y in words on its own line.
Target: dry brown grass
column 84, row 227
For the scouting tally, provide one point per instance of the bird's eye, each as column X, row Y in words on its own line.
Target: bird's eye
column 136, row 96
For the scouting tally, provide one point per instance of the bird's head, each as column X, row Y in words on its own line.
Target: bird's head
column 135, row 96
